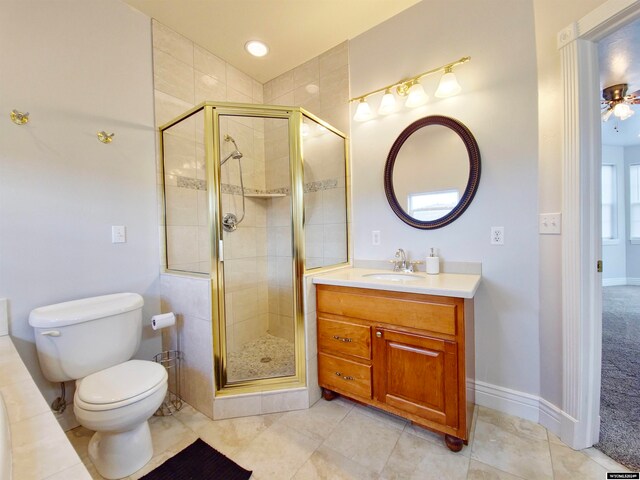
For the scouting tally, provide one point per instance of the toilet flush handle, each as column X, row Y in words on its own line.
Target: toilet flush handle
column 51, row 333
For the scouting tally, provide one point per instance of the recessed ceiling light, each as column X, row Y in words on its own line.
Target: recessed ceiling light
column 256, row 48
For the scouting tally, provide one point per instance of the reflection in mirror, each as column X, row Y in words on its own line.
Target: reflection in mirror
column 432, row 172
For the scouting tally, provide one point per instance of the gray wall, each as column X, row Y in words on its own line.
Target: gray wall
column 502, row 69
column 77, row 67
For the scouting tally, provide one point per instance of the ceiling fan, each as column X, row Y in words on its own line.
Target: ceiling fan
column 618, row 102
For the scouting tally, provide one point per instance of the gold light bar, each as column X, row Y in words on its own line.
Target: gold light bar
column 402, row 87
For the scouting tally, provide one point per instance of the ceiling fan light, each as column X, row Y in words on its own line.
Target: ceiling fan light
column 622, row 111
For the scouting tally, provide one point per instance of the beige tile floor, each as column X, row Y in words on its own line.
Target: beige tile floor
column 342, row 440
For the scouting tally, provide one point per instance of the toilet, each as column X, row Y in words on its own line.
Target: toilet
column 92, row 341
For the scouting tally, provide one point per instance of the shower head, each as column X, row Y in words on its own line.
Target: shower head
column 236, row 154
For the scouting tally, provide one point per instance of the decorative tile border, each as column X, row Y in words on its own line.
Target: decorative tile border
column 192, row 183
column 196, row 184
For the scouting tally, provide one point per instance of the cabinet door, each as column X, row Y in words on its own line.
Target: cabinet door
column 417, row 374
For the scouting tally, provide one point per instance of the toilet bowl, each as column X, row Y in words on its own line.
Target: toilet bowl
column 92, row 341
column 116, row 403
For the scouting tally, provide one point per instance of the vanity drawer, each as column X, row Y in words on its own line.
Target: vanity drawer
column 344, row 375
column 403, row 309
column 344, row 337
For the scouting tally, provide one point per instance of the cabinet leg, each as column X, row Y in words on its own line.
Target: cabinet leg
column 328, row 394
column 454, row 443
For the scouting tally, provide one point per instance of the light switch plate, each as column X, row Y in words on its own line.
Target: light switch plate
column 118, row 234
column 375, row 237
column 550, row 224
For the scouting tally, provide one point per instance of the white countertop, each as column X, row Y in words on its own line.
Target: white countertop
column 445, row 284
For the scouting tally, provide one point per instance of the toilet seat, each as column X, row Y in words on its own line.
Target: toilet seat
column 120, row 385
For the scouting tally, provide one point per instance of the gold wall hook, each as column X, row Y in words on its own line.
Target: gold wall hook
column 19, row 118
column 105, row 137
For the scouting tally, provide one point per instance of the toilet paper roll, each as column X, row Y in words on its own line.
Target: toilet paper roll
column 163, row 320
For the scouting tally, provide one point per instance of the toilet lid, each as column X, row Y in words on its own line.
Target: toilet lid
column 121, row 382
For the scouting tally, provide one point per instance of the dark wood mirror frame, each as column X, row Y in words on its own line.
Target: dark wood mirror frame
column 474, row 171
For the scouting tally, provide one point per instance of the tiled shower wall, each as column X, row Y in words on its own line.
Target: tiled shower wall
column 185, row 75
column 321, row 86
column 258, row 267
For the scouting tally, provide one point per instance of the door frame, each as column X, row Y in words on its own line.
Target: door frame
column 581, row 239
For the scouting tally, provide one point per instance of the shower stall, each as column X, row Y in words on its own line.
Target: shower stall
column 254, row 197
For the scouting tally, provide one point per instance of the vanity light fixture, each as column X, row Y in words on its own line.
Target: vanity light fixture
column 416, row 95
column 388, row 103
column 412, row 89
column 363, row 111
column 256, row 48
column 448, row 85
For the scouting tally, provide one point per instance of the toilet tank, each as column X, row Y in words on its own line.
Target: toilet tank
column 77, row 338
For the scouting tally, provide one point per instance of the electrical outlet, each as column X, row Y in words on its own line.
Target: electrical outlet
column 497, row 235
column 375, row 237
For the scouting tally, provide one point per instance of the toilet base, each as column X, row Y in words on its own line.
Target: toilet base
column 119, row 454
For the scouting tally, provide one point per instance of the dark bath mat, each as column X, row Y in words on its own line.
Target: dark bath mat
column 198, row 462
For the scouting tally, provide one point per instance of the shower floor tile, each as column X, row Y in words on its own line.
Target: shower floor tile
column 265, row 357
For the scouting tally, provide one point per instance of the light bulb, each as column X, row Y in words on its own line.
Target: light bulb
column 622, row 111
column 387, row 104
column 256, row 48
column 363, row 111
column 448, row 85
column 416, row 96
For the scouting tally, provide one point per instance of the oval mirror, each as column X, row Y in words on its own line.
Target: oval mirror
column 432, row 172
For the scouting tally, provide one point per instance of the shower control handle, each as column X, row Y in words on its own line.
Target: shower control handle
column 343, row 339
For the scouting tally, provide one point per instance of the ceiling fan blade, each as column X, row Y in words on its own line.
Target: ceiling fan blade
column 634, row 94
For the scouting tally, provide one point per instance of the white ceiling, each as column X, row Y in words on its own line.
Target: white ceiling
column 619, row 59
column 294, row 30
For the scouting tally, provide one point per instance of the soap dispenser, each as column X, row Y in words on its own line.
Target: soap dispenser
column 433, row 263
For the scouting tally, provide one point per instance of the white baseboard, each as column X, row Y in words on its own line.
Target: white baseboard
column 551, row 417
column 614, row 282
column 633, row 281
column 524, row 405
column 508, row 401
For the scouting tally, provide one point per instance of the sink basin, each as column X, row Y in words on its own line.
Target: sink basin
column 394, row 276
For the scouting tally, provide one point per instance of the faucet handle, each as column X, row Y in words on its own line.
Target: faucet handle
column 414, row 264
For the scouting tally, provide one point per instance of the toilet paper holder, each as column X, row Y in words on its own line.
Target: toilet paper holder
column 170, row 360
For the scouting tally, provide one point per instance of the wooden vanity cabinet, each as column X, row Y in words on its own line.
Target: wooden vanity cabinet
column 409, row 354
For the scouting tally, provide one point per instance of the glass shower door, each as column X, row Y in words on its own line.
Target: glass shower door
column 256, row 213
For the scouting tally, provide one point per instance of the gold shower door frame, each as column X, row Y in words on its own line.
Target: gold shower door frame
column 294, row 116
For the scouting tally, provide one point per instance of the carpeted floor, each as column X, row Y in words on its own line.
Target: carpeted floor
column 620, row 397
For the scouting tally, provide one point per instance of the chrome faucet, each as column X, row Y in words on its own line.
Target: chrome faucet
column 401, row 261
column 401, row 264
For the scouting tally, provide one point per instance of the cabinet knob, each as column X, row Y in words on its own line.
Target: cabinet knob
column 379, row 334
